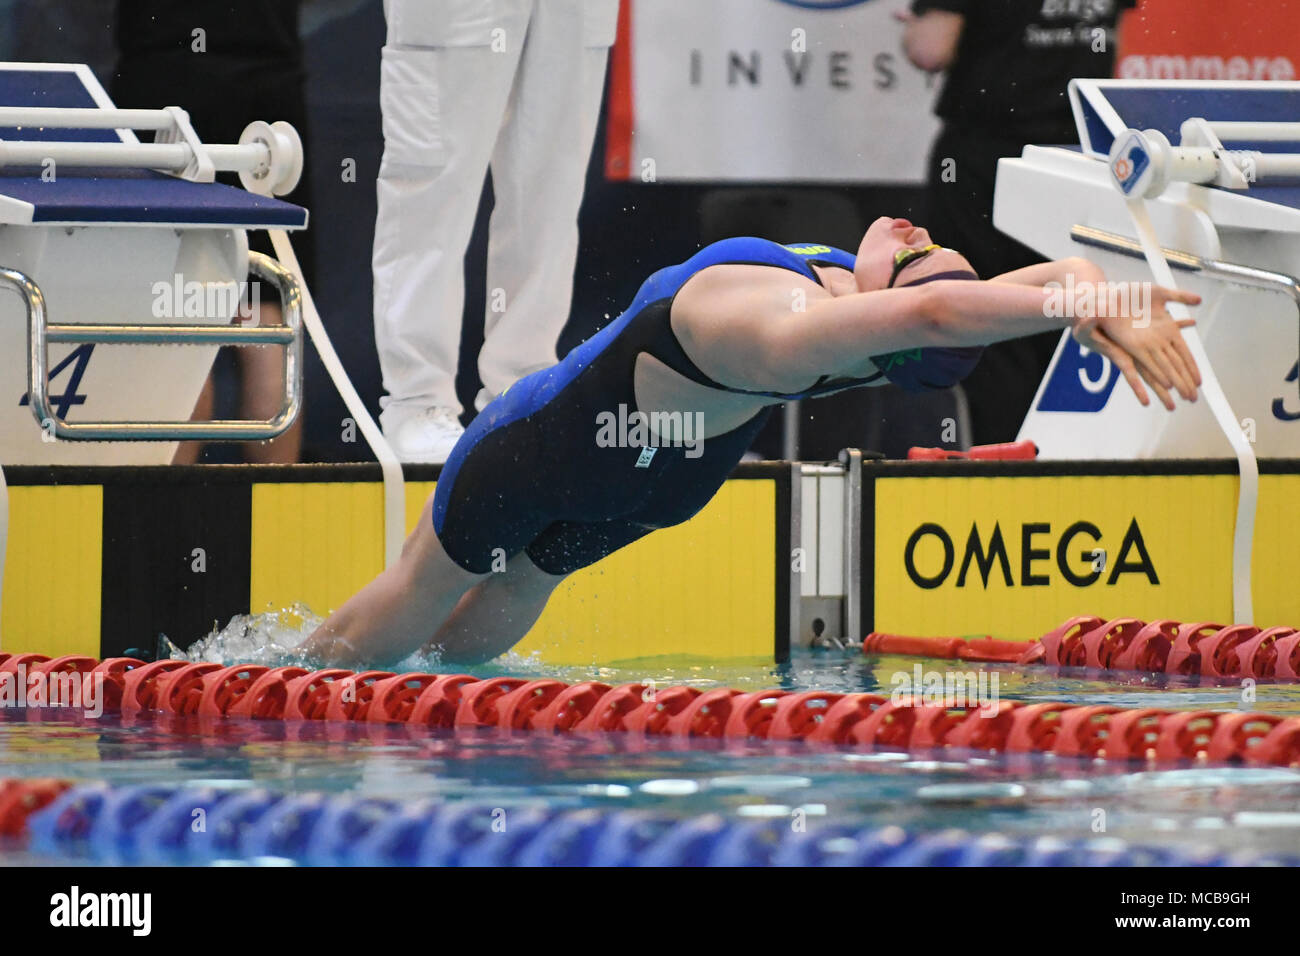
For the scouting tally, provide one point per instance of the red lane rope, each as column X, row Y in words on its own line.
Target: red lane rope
column 869, row 721
column 1125, row 644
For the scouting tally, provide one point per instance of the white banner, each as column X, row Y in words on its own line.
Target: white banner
column 773, row 90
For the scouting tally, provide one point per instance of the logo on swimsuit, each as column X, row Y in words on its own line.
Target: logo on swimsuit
column 651, row 431
column 893, row 360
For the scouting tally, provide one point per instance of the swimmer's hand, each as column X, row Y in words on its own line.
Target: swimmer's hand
column 1143, row 340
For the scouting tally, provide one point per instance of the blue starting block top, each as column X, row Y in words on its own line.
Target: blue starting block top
column 105, row 196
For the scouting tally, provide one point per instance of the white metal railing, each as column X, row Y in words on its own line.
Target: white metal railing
column 40, row 333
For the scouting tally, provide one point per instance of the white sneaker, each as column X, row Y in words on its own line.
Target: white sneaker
column 421, row 435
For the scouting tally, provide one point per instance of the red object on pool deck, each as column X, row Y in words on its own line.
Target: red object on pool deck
column 1124, row 644
column 1009, row 451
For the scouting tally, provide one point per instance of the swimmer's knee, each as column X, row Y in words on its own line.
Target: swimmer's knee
column 540, row 576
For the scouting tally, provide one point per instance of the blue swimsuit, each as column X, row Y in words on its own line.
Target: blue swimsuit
column 531, row 475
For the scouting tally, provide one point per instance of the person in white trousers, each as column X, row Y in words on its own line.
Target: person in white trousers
column 467, row 84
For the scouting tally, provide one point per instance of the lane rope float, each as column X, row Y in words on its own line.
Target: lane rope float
column 210, row 692
column 1126, row 644
column 150, row 824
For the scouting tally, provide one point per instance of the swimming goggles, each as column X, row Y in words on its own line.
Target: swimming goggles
column 904, row 257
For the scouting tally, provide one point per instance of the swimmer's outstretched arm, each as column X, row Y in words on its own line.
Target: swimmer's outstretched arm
column 836, row 333
column 1061, row 270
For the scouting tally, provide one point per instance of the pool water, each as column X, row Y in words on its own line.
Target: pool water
column 1236, row 808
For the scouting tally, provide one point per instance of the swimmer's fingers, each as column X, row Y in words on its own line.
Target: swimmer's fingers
column 1155, row 370
column 1159, row 369
column 1157, row 383
column 1173, row 374
column 1122, row 361
column 1163, row 294
column 1179, row 345
column 1168, row 352
column 1175, row 358
column 1189, row 378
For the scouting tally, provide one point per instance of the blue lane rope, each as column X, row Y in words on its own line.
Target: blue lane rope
column 200, row 825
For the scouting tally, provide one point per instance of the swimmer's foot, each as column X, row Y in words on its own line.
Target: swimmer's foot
column 424, row 435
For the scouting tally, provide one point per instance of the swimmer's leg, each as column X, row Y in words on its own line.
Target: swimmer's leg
column 496, row 613
column 394, row 614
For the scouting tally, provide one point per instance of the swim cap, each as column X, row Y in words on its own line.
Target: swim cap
column 931, row 367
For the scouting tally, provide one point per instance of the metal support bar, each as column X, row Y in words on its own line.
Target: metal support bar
column 791, row 413
column 1186, row 261
column 795, row 577
column 1251, row 276
column 169, row 334
column 40, row 334
column 851, row 459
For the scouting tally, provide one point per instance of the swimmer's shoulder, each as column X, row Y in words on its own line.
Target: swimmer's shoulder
column 749, row 250
column 744, row 276
column 742, row 263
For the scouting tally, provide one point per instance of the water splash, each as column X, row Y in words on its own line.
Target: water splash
column 270, row 638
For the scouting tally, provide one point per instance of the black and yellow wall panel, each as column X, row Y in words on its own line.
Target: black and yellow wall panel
column 1012, row 549
column 1276, row 560
column 704, row 588
column 125, row 556
column 52, row 575
column 106, row 560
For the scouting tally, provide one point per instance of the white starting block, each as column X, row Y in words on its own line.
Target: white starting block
column 1229, row 225
column 1228, row 220
column 111, row 244
column 123, row 267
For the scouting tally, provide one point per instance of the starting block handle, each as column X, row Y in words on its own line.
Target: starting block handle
column 268, row 157
column 64, row 118
column 1235, row 132
column 40, row 333
column 1143, row 162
